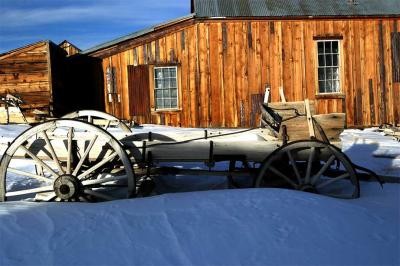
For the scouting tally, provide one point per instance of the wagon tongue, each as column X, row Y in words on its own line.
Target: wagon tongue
column 67, row 187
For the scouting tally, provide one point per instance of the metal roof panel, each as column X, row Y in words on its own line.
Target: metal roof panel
column 284, row 8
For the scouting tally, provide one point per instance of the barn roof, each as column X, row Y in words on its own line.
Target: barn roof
column 137, row 34
column 22, row 49
column 294, row 8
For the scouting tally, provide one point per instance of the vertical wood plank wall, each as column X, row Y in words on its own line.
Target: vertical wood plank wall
column 224, row 64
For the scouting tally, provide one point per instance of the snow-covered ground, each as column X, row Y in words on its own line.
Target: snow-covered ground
column 218, row 227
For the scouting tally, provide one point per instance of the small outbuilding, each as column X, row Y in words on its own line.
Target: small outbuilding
column 45, row 79
column 33, row 74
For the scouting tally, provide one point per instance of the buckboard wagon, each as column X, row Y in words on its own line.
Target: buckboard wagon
column 83, row 157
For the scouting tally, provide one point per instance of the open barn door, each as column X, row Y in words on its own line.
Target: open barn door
column 139, row 100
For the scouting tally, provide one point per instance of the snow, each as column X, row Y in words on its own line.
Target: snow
column 217, row 227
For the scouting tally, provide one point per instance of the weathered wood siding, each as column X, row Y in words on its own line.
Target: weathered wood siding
column 69, row 48
column 225, row 65
column 26, row 73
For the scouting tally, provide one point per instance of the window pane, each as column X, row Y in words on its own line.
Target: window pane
column 328, row 48
column 158, row 73
column 328, row 86
column 158, row 84
column 336, row 86
column 328, row 60
column 167, row 103
column 165, row 73
column 321, row 86
column 174, row 103
column 335, row 47
column 335, row 60
column 166, row 94
column 320, row 48
column 172, row 72
column 173, row 92
column 329, row 73
column 160, row 104
column 158, row 93
column 335, row 73
column 173, row 83
column 321, row 74
column 166, row 83
column 321, row 60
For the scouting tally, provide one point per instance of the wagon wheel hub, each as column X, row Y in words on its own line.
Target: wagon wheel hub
column 67, row 187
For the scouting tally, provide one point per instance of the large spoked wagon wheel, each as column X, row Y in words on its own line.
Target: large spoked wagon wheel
column 310, row 166
column 100, row 119
column 79, row 162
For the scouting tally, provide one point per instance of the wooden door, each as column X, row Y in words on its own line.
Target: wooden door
column 138, row 84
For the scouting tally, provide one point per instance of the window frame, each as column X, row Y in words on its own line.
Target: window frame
column 339, row 66
column 154, row 89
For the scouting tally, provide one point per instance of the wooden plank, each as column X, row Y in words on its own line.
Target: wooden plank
column 215, row 107
column 24, row 77
column 29, row 67
column 16, row 88
column 192, row 57
column 309, row 118
column 203, row 68
column 290, row 109
column 332, row 124
column 229, row 82
column 382, row 73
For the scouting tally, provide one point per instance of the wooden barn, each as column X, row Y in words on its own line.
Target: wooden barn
column 212, row 68
column 45, row 79
column 33, row 74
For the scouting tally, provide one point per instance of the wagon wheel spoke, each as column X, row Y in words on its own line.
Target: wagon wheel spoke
column 53, row 153
column 97, row 166
column 85, row 155
column 332, row 180
column 39, row 161
column 23, row 173
column 29, row 191
column 309, row 165
column 107, row 124
column 280, row 174
column 323, row 169
column 69, row 150
column 294, row 166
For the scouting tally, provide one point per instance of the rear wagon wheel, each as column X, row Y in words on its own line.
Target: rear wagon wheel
column 311, row 166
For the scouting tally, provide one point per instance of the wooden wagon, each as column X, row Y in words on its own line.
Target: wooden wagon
column 71, row 159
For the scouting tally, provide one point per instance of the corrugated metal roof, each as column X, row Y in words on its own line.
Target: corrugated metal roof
column 136, row 34
column 293, row 8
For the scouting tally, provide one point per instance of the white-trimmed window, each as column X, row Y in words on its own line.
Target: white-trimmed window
column 328, row 66
column 165, row 87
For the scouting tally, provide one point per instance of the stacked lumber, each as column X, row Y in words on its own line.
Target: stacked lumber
column 300, row 121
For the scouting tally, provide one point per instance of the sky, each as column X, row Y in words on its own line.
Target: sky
column 85, row 23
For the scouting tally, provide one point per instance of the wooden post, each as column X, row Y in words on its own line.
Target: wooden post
column 266, row 95
column 309, row 119
column 283, row 99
